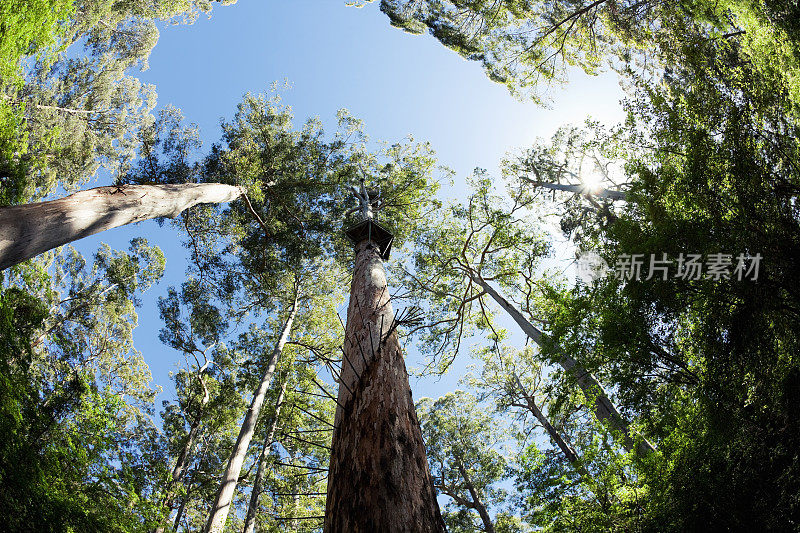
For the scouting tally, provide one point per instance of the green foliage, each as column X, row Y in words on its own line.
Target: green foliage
column 69, row 104
column 76, row 398
column 461, row 442
column 490, row 235
column 525, row 44
column 706, row 365
column 29, row 28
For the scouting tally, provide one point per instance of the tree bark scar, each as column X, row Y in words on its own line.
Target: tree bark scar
column 379, row 480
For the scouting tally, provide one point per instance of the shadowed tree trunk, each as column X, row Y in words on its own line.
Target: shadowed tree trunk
column 565, row 447
column 222, row 503
column 604, row 410
column 182, row 464
column 379, row 478
column 252, row 508
column 476, row 502
column 31, row 229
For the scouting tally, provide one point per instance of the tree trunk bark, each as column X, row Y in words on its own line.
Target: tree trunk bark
column 252, row 508
column 603, row 408
column 379, row 478
column 179, row 472
column 476, row 501
column 222, row 503
column 530, row 404
column 182, row 464
column 31, row 229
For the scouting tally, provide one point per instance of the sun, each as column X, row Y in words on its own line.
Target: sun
column 592, row 182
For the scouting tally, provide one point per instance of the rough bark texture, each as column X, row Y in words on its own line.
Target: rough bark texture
column 379, row 480
column 603, row 408
column 252, row 508
column 222, row 503
column 29, row 230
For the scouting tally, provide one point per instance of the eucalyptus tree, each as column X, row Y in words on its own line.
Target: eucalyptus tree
column 31, row 229
column 379, row 477
column 514, row 379
column 159, row 184
column 582, row 477
column 308, row 298
column 69, row 112
column 524, row 44
column 288, row 488
column 454, row 268
column 81, row 392
column 253, row 253
column 302, row 419
column 707, row 360
column 206, row 389
column 463, row 442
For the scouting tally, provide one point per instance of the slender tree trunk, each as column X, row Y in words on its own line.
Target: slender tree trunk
column 296, row 508
column 252, row 508
column 222, row 503
column 179, row 514
column 603, row 408
column 566, row 448
column 379, row 478
column 179, row 472
column 476, row 501
column 556, row 437
column 182, row 464
column 31, row 229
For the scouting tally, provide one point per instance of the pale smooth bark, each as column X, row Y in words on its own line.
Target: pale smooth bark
column 583, row 189
column 252, row 508
column 222, row 503
column 477, row 504
column 379, row 478
column 603, row 408
column 555, row 436
column 31, row 229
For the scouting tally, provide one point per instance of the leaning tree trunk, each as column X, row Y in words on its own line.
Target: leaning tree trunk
column 604, row 410
column 222, row 503
column 182, row 464
column 31, row 229
column 252, row 508
column 379, row 478
column 555, row 436
column 477, row 503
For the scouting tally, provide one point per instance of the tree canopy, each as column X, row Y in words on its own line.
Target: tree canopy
column 653, row 387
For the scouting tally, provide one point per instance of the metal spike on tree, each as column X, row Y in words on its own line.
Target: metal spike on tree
column 379, row 479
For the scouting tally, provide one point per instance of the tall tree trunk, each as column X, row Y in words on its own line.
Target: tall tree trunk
column 252, row 508
column 379, row 478
column 565, row 447
column 555, row 436
column 476, row 501
column 179, row 514
column 179, row 472
column 31, row 229
column 603, row 408
column 182, row 464
column 222, row 503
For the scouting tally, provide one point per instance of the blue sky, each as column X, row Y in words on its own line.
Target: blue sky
column 340, row 57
